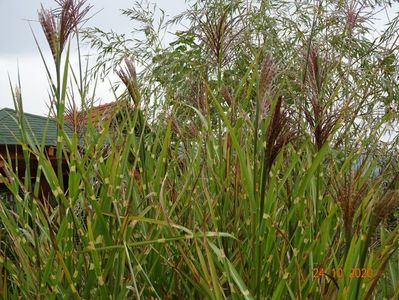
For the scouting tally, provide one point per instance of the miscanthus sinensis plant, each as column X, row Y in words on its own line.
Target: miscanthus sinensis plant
column 249, row 158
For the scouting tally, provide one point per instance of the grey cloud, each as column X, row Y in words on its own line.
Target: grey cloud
column 15, row 16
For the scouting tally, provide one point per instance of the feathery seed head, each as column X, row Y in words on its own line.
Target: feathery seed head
column 58, row 24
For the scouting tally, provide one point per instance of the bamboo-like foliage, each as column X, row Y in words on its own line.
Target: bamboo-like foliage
column 255, row 174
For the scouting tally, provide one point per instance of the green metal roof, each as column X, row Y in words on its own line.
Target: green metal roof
column 35, row 127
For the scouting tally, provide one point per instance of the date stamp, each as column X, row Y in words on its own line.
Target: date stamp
column 320, row 272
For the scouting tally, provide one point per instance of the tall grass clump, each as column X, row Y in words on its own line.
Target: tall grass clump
column 253, row 157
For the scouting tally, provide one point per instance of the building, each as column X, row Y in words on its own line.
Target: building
column 38, row 131
column 41, row 130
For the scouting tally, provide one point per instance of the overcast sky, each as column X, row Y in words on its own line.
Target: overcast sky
column 18, row 49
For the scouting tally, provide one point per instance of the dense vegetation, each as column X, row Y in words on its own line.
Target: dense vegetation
column 257, row 158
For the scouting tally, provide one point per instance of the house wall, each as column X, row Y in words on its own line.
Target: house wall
column 15, row 154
